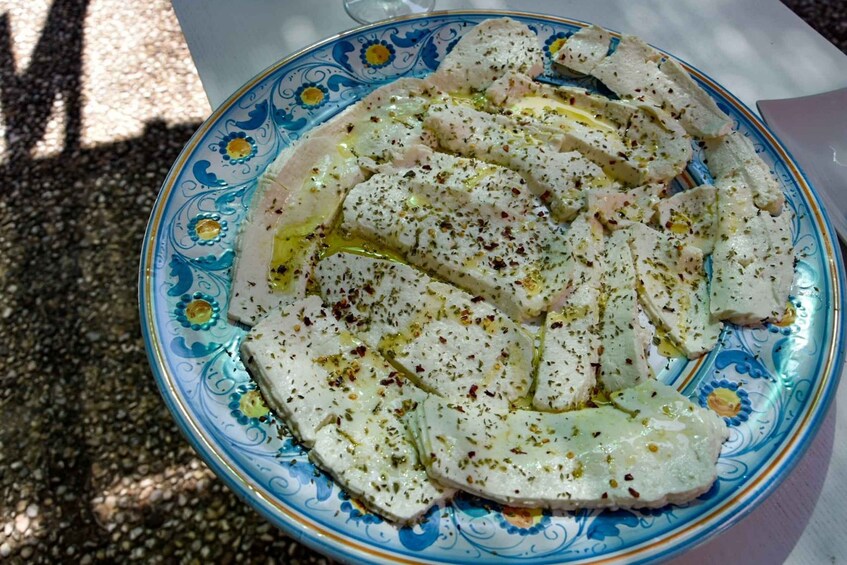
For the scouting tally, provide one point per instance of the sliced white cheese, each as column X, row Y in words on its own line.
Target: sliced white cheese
column 451, row 343
column 623, row 355
column 637, row 71
column 691, row 216
column 392, row 124
column 570, row 351
column 300, row 193
column 753, row 260
column 288, row 212
column 651, row 447
column 309, row 369
column 658, row 144
column 635, row 144
column 673, row 289
column 487, row 52
column 734, row 154
column 558, row 178
column 583, row 50
column 342, row 399
column 616, row 209
column 372, row 456
column 476, row 225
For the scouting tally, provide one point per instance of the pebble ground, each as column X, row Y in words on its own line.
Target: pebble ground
column 97, row 99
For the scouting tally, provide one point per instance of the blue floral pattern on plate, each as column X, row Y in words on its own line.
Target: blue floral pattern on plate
column 774, row 382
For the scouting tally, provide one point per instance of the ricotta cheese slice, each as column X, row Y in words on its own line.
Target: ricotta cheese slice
column 344, row 401
column 570, row 351
column 299, row 194
column 734, row 155
column 559, row 179
column 637, row 71
column 650, row 447
column 450, row 343
column 673, row 289
column 278, row 240
column 633, row 143
column 624, row 338
column 487, row 52
column 474, row 224
column 753, row 260
column 619, row 209
column 691, row 216
column 582, row 51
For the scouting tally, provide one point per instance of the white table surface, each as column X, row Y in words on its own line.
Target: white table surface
column 758, row 49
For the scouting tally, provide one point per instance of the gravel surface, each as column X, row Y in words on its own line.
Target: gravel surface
column 97, row 100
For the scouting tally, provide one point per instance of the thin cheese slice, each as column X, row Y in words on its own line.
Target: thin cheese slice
column 300, row 193
column 372, row 456
column 570, row 351
column 753, row 260
column 624, row 339
column 637, row 71
column 735, row 155
column 476, row 225
column 277, row 242
column 487, row 52
column 344, row 401
column 691, row 217
column 558, row 178
column 673, row 289
column 451, row 343
column 633, row 143
column 651, row 447
column 583, row 50
column 619, row 209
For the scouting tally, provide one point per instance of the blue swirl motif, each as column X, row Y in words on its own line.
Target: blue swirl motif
column 610, row 523
column 204, row 177
column 423, row 534
column 774, row 365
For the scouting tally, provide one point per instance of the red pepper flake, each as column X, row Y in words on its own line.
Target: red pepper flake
column 442, row 339
column 419, row 369
column 360, row 351
column 476, row 299
column 472, row 391
column 471, row 454
column 627, row 477
column 307, row 321
column 634, row 492
column 504, row 215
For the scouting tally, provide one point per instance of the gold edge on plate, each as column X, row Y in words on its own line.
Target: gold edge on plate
column 318, row 529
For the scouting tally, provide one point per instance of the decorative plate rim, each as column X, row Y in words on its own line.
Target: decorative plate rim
column 305, row 530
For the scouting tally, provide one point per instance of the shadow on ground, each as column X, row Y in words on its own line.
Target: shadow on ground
column 92, row 466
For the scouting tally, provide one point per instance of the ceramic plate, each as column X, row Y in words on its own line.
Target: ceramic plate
column 772, row 385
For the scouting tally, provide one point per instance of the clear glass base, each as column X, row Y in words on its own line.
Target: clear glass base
column 369, row 11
